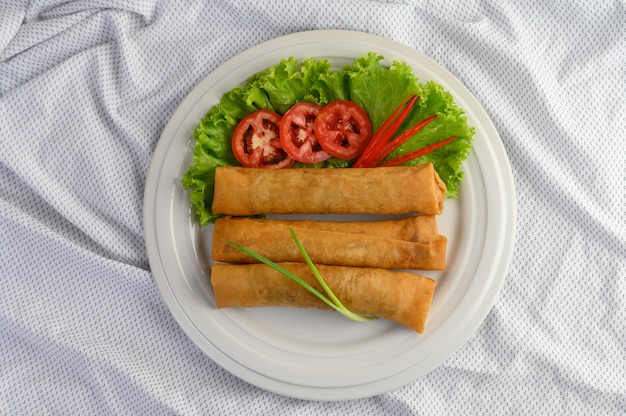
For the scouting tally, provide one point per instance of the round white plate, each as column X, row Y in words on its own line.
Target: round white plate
column 319, row 355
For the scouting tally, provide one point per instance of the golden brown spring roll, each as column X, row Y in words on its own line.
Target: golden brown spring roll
column 273, row 240
column 418, row 229
column 401, row 297
column 382, row 190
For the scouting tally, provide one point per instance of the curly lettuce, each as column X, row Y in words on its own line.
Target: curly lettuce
column 378, row 89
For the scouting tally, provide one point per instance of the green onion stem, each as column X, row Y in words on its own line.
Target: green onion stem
column 345, row 311
column 333, row 302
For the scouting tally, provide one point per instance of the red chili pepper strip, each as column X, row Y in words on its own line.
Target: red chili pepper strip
column 391, row 125
column 385, row 132
column 417, row 153
column 381, row 130
column 376, row 137
column 402, row 137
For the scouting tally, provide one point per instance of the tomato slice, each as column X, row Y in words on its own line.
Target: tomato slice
column 343, row 129
column 256, row 141
column 297, row 135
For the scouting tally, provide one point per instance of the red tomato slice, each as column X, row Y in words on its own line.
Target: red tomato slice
column 297, row 136
column 343, row 129
column 256, row 141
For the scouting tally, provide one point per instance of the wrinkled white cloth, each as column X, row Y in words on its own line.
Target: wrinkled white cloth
column 86, row 88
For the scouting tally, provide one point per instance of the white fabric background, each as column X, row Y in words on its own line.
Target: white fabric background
column 86, row 88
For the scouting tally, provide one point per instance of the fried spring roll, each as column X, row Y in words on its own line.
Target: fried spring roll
column 272, row 240
column 383, row 190
column 401, row 297
column 418, row 229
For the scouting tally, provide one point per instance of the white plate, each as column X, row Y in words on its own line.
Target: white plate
column 320, row 355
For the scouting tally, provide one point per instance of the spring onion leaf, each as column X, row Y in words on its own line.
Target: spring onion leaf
column 322, row 282
column 331, row 300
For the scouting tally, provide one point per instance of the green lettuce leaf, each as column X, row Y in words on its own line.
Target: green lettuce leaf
column 378, row 89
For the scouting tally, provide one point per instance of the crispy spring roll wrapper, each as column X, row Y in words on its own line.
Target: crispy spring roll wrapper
column 401, row 297
column 382, row 190
column 419, row 229
column 272, row 240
